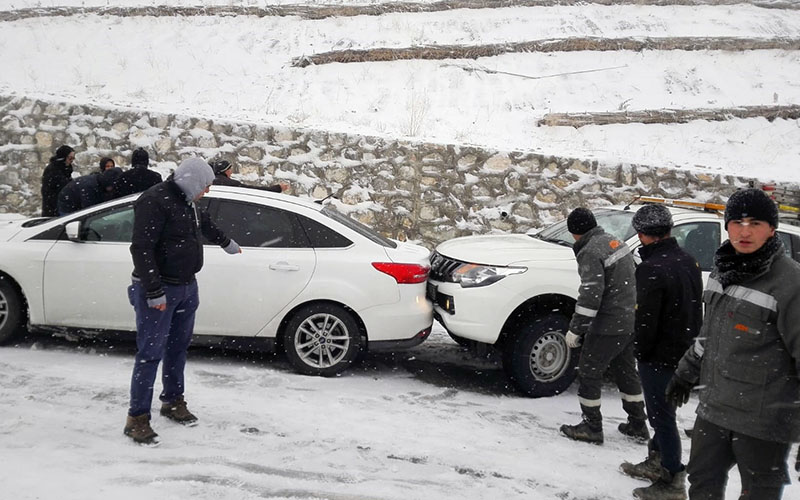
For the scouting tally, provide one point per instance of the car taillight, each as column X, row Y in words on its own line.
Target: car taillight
column 403, row 273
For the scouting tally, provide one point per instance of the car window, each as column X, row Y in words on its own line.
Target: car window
column 114, row 225
column 615, row 222
column 321, row 236
column 786, row 238
column 700, row 239
column 254, row 225
column 358, row 227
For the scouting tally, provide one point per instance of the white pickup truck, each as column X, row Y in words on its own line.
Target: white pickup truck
column 517, row 292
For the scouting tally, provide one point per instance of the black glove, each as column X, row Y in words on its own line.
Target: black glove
column 677, row 393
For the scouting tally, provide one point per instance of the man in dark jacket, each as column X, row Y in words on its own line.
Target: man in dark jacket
column 57, row 174
column 88, row 190
column 167, row 251
column 668, row 317
column 139, row 177
column 603, row 323
column 746, row 359
column 106, row 163
column 222, row 177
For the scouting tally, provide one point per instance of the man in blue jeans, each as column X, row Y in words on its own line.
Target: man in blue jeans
column 167, row 251
column 668, row 317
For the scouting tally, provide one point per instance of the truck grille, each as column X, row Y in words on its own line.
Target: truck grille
column 442, row 267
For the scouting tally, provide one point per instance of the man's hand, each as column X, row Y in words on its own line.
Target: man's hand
column 232, row 248
column 573, row 341
column 677, row 393
column 284, row 186
column 159, row 303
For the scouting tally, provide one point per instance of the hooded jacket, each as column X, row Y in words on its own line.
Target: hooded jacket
column 56, row 175
column 607, row 294
column 746, row 358
column 669, row 307
column 137, row 179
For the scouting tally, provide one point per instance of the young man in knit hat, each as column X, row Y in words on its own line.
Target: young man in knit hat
column 222, row 177
column 746, row 359
column 167, row 251
column 603, row 324
column 669, row 312
column 139, row 177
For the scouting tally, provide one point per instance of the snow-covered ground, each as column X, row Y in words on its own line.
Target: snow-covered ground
column 429, row 423
column 239, row 68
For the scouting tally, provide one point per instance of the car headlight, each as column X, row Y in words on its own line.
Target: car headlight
column 475, row 275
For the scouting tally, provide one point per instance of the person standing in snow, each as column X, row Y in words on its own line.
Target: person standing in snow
column 746, row 359
column 669, row 313
column 603, row 324
column 56, row 175
column 87, row 190
column 223, row 170
column 167, row 252
column 139, row 177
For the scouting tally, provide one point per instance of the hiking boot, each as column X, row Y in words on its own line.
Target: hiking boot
column 583, row 432
column 636, row 430
column 667, row 487
column 138, row 428
column 649, row 469
column 178, row 412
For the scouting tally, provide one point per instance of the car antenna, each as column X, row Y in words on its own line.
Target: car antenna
column 634, row 200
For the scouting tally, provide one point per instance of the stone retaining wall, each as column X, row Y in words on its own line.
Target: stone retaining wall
column 407, row 190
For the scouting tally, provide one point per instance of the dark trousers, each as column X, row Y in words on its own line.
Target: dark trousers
column 615, row 354
column 762, row 464
column 161, row 335
column 666, row 439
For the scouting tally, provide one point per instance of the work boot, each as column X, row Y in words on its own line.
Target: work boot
column 138, row 428
column 649, row 469
column 667, row 487
column 636, row 430
column 178, row 412
column 584, row 431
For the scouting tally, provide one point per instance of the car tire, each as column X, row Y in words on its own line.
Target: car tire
column 322, row 339
column 12, row 311
column 463, row 342
column 537, row 359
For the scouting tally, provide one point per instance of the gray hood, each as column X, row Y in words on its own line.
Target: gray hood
column 193, row 176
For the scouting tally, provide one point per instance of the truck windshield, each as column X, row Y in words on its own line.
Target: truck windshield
column 615, row 222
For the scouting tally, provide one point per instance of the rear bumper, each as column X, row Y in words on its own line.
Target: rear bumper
column 399, row 345
column 402, row 321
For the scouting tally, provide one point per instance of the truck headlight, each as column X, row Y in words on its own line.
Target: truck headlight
column 475, row 275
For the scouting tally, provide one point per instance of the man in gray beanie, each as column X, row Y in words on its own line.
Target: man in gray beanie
column 603, row 324
column 668, row 317
column 746, row 359
column 167, row 251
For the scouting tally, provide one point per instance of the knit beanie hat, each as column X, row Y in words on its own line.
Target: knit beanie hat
column 652, row 220
column 62, row 152
column 140, row 158
column 751, row 203
column 193, row 176
column 220, row 166
column 580, row 221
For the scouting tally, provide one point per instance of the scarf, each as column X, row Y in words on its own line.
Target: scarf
column 733, row 268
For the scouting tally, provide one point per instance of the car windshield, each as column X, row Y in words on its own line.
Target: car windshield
column 358, row 227
column 615, row 222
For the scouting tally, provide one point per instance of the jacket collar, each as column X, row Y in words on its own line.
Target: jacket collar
column 667, row 244
column 732, row 268
column 588, row 235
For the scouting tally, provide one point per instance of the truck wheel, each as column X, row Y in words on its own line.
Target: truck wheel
column 537, row 359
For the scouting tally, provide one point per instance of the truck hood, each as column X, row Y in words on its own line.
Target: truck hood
column 503, row 249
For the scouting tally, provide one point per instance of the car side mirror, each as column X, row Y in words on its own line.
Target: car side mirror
column 73, row 230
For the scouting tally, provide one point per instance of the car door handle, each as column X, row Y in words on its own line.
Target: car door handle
column 283, row 266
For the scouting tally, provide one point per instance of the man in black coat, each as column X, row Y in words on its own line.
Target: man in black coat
column 669, row 291
column 88, row 190
column 57, row 174
column 139, row 178
column 222, row 177
column 167, row 251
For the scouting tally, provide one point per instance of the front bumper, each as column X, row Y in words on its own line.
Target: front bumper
column 472, row 313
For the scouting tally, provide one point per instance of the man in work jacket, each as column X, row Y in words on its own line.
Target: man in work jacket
column 603, row 323
column 669, row 313
column 746, row 359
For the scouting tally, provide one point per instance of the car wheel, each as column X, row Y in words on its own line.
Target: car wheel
column 12, row 311
column 460, row 340
column 537, row 359
column 322, row 339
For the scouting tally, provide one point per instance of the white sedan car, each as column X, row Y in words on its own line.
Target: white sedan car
column 309, row 280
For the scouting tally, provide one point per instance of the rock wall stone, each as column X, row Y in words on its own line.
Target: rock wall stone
column 406, row 190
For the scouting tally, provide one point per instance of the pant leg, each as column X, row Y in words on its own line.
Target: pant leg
column 623, row 370
column 710, row 460
column 180, row 336
column 152, row 329
column 661, row 414
column 762, row 466
column 596, row 355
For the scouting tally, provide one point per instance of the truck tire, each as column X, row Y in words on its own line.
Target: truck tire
column 536, row 358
